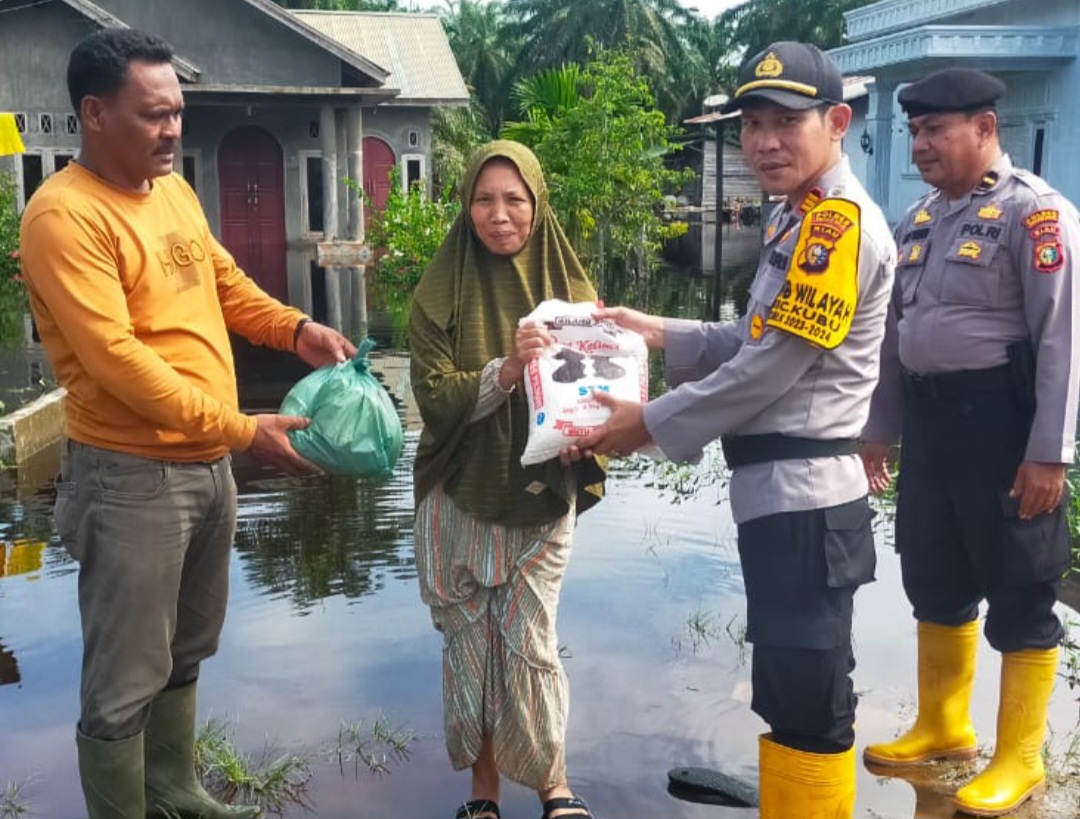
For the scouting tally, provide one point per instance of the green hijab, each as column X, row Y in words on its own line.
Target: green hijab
column 465, row 312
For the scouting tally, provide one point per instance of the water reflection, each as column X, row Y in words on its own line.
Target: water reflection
column 9, row 667
column 328, row 536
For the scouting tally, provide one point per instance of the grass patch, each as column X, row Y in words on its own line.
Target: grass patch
column 1072, row 481
column 679, row 482
column 375, row 747
column 1062, row 768
column 274, row 780
column 1070, row 653
column 702, row 627
column 13, row 803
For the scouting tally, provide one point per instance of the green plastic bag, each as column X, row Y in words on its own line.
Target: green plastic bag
column 355, row 429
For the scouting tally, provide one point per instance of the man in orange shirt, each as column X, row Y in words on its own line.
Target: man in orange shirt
column 134, row 298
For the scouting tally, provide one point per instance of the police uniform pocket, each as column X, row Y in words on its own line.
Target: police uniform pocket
column 971, row 275
column 1036, row 550
column 910, row 266
column 767, row 285
column 850, row 558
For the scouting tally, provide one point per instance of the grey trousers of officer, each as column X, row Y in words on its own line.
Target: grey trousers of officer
column 152, row 539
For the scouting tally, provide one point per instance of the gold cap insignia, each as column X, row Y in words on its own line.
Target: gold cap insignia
column 991, row 212
column 769, row 67
column 922, row 217
column 970, row 250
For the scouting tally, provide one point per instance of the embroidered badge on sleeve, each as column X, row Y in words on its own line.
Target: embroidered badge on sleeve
column 818, row 299
column 1049, row 255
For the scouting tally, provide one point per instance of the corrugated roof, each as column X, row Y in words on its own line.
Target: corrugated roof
column 412, row 47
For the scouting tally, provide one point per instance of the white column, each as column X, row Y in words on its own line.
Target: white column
column 354, row 150
column 331, row 219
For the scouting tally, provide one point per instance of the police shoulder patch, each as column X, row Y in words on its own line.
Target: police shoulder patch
column 1049, row 254
column 818, row 299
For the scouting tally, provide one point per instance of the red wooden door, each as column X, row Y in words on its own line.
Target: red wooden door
column 378, row 163
column 251, row 170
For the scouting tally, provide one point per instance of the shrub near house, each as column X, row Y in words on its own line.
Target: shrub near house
column 12, row 293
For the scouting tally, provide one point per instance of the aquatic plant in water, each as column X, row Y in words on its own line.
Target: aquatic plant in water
column 273, row 780
column 12, row 802
column 376, row 747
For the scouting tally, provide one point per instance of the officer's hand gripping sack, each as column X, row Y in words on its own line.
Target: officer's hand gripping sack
column 355, row 429
column 588, row 355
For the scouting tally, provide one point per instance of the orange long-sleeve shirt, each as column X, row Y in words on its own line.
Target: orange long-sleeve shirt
column 133, row 298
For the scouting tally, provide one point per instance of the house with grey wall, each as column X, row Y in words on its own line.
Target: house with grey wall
column 1031, row 46
column 281, row 108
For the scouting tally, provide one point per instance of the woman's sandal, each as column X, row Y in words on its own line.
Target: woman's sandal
column 578, row 809
column 478, row 809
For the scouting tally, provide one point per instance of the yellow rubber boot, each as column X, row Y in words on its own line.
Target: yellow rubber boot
column 801, row 785
column 1016, row 771
column 943, row 728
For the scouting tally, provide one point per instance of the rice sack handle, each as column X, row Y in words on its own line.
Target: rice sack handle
column 587, row 356
column 355, row 428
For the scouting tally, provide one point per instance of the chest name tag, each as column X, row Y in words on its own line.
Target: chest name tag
column 817, row 301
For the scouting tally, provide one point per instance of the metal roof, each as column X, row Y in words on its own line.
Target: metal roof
column 412, row 47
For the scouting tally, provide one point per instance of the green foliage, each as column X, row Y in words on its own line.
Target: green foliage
column 603, row 153
column 406, row 233
column 486, row 51
column 456, row 133
column 685, row 56
column 13, row 303
column 756, row 23
column 274, row 780
column 1072, row 481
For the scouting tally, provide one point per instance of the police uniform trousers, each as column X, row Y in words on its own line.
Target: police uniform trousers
column 957, row 530
column 801, row 571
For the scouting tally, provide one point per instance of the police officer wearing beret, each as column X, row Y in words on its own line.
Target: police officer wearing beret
column 787, row 389
column 979, row 380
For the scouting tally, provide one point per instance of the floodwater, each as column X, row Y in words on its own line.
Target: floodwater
column 325, row 627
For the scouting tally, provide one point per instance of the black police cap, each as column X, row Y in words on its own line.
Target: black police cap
column 951, row 89
column 794, row 75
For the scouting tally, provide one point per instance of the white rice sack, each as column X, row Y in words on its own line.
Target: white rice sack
column 588, row 355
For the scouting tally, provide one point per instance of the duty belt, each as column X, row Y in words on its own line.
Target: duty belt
column 958, row 383
column 741, row 450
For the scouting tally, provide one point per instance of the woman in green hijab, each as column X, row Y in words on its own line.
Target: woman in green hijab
column 493, row 537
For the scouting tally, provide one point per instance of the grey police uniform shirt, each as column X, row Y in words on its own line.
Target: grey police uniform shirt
column 739, row 378
column 975, row 275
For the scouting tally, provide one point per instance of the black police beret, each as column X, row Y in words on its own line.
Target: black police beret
column 951, row 89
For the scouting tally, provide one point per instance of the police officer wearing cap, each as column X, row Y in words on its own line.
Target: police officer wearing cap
column 979, row 380
column 787, row 390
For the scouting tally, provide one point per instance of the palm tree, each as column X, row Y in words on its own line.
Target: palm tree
column 486, row 52
column 540, row 99
column 756, row 23
column 709, row 67
column 554, row 31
